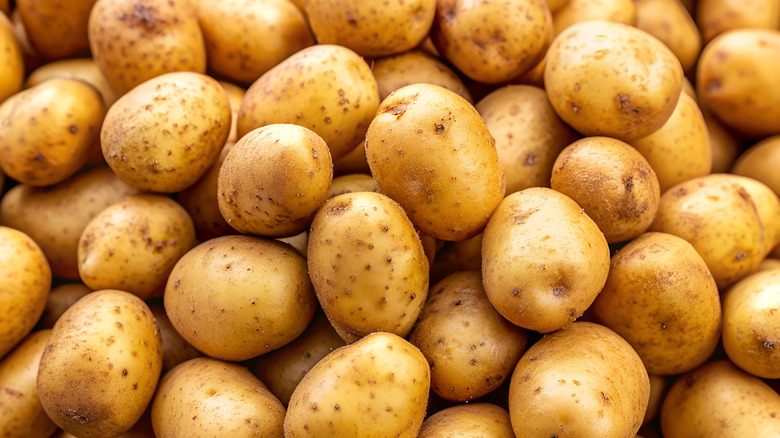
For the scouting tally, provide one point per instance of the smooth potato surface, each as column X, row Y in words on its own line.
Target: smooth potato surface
column 468, row 420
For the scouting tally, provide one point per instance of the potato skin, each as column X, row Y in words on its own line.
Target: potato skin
column 670, row 22
column 59, row 300
column 415, row 66
column 760, row 162
column 175, row 348
column 58, row 28
column 718, row 16
column 468, row 420
column 84, row 69
column 577, row 11
column 350, row 183
column 11, row 61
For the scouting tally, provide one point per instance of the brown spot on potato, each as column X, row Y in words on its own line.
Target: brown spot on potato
column 625, row 104
column 73, row 129
column 397, row 109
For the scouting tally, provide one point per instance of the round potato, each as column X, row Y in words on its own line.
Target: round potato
column 84, row 69
column 577, row 11
column 761, row 162
column 612, row 79
column 670, row 22
column 350, row 183
column 59, row 300
column 57, row 29
column 11, row 60
column 471, row 420
column 175, row 349
column 717, row 16
column 412, row 67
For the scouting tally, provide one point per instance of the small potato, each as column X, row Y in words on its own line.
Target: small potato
column 59, row 300
column 206, row 397
column 84, row 69
column 658, row 387
column 299, row 241
column 11, row 60
column 591, row 80
column 175, row 348
column 354, row 162
column 468, row 420
column 413, row 67
column 612, row 182
column 133, row 245
column 769, row 264
column 768, row 209
column 235, row 96
column 350, row 183
column 670, row 22
column 726, row 145
column 718, row 16
column 465, row 255
column 577, row 11
column 274, row 179
column 761, row 162
column 57, row 29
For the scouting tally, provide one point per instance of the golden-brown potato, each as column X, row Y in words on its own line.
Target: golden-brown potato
column 430, row 151
column 299, row 241
column 350, row 183
column 577, row 11
column 133, row 41
column 101, row 364
column 5, row 6
column 543, row 259
column 670, row 22
column 717, row 16
column 468, row 420
column 59, row 300
column 21, row 35
column 761, row 162
column 726, row 145
column 465, row 255
column 11, row 60
column 57, row 29
column 412, row 67
column 583, row 381
column 768, row 209
column 206, row 397
column 354, row 162
column 175, row 348
column 591, row 80
column 769, row 264
column 133, row 245
column 84, row 69
column 235, row 96
column 658, row 387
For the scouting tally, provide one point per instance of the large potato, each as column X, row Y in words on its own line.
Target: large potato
column 577, row 11
column 56, row 28
column 670, row 22
column 412, row 67
column 717, row 16
column 468, row 420
column 761, row 162
column 11, row 60
column 84, row 69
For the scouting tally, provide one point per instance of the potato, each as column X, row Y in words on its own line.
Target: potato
column 464, row 255
column 101, row 364
column 761, row 162
column 375, row 387
column 726, row 145
column 59, row 300
column 48, row 130
column 612, row 182
column 736, row 80
column 369, row 30
column 768, row 209
column 175, row 348
column 164, row 134
column 25, row 284
column 769, row 264
column 430, row 151
column 57, row 29
column 235, row 96
column 367, row 265
column 670, row 22
column 284, row 368
column 658, row 387
column 133, row 41
column 718, row 399
column 492, row 41
column 274, row 179
column 591, row 80
column 533, row 77
column 718, row 16
column 326, row 88
column 584, row 380
column 674, row 322
column 354, row 162
column 299, row 241
column 11, row 60
column 21, row 413
column 543, row 259
column 84, row 69
column 468, row 420
column 21, row 35
column 56, row 216
column 237, row 297
column 529, row 134
column 470, row 347
column 133, row 245
column 350, row 183
column 412, row 67
column 718, row 217
column 577, row 11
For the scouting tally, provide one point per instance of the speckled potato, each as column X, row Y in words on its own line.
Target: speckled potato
column 768, row 209
column 101, row 365
column 175, row 348
column 674, row 323
column 543, row 259
column 375, row 387
column 21, row 413
column 84, row 69
column 612, row 79
column 163, row 135
column 326, row 88
column 367, row 265
column 11, row 60
column 412, row 67
column 59, row 300
column 612, row 182
column 584, row 381
column 430, row 151
column 529, row 134
column 58, row 28
column 717, row 16
column 237, row 297
column 350, row 183
column 133, row 244
column 274, row 179
column 492, row 41
column 206, row 397
column 47, row 130
column 133, row 41
column 577, row 11
column 25, row 280
column 670, row 22
column 761, row 162
column 369, row 29
column 736, row 78
column 56, row 216
column 468, row 420
column 719, row 399
column 470, row 347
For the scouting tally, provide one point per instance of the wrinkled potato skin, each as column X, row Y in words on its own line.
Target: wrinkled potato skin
column 175, row 348
column 717, row 16
column 56, row 28
column 576, row 11
column 760, row 162
column 59, row 300
column 350, row 183
column 84, row 69
column 206, row 397
column 101, row 365
column 11, row 61
column 465, row 421
column 412, row 67
column 670, row 22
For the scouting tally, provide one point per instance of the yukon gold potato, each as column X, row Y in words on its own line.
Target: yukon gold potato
column 529, row 134
column 583, row 381
column 412, row 67
column 662, row 299
column 726, row 145
column 719, row 399
column 164, row 134
column 464, row 255
column 670, row 22
column 717, row 16
column 84, row 69
column 612, row 79
column 470, row 347
column 47, row 130
column 11, row 60
column 369, row 29
column 237, row 297
column 133, row 245
column 492, row 41
column 133, row 41
column 56, row 216
column 543, row 259
column 175, row 348
column 761, row 162
column 354, row 162
column 274, row 179
column 768, row 209
column 430, row 151
column 718, row 217
column 101, row 365
column 57, row 29
column 367, row 265
column 658, row 387
column 25, row 280
column 59, row 300
column 350, row 183
column 769, row 264
column 468, row 420
column 21, row 413
column 376, row 387
column 246, row 38
column 576, row 11
column 326, row 88
column 235, row 96
column 612, row 182
column 736, row 78
column 206, row 397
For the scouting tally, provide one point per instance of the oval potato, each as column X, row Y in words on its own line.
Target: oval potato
column 84, row 69
column 57, row 29
column 577, row 11
column 670, row 22
column 11, row 61
column 412, row 67
column 468, row 420
column 761, row 162
column 59, row 300
column 718, row 16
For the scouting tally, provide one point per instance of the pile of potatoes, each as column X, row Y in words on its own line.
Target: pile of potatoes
column 433, row 218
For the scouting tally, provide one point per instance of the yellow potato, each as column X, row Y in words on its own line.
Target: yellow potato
column 717, row 16
column 57, row 29
column 354, row 162
column 20, row 33
column 670, row 22
column 11, row 60
column 175, row 348
column 658, row 387
column 768, row 209
column 726, row 145
column 299, row 241
column 468, row 420
column 59, row 300
column 465, row 255
column 350, row 183
column 769, row 264
column 761, row 162
column 577, row 11
column 84, row 69
column 412, row 67
column 235, row 96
